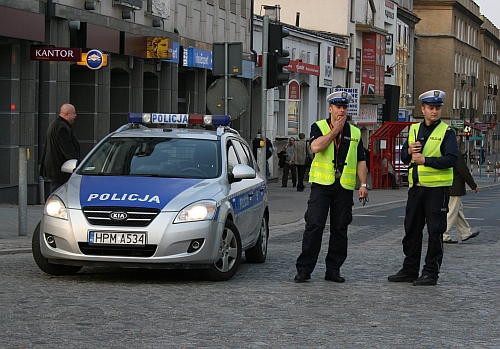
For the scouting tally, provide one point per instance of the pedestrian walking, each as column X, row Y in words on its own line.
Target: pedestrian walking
column 339, row 156
column 432, row 150
column 289, row 165
column 61, row 145
column 461, row 175
column 300, row 155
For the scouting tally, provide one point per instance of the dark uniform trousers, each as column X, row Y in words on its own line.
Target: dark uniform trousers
column 339, row 202
column 425, row 205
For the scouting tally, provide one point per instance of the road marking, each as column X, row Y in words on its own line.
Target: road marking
column 475, row 219
column 369, row 215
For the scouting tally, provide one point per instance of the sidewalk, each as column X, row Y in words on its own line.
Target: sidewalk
column 286, row 205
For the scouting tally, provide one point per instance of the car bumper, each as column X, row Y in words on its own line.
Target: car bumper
column 168, row 243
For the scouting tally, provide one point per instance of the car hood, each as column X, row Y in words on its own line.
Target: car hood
column 166, row 194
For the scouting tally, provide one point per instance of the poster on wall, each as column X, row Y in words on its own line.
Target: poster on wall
column 353, row 107
column 341, row 58
column 326, row 66
column 372, row 75
column 158, row 47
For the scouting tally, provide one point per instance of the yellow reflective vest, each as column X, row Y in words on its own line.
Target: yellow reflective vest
column 429, row 176
column 322, row 169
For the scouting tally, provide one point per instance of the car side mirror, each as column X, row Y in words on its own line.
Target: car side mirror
column 240, row 172
column 69, row 166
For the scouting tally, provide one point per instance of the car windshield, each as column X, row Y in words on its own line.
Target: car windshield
column 154, row 156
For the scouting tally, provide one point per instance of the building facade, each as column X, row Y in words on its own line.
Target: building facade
column 135, row 78
column 458, row 52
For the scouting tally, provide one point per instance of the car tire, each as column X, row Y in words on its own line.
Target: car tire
column 258, row 253
column 43, row 263
column 229, row 259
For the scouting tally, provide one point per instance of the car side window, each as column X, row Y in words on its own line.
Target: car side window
column 232, row 158
column 243, row 155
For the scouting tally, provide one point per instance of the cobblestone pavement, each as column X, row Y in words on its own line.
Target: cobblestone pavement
column 261, row 307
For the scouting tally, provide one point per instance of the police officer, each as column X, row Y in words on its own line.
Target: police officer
column 339, row 156
column 432, row 150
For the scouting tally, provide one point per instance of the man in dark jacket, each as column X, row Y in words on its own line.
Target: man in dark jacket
column 61, row 145
column 461, row 175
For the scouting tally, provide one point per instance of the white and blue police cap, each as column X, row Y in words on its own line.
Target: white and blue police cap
column 432, row 97
column 339, row 98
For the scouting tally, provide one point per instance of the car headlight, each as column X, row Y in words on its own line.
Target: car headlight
column 199, row 211
column 55, row 208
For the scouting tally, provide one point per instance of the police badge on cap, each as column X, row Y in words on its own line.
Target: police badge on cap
column 339, row 98
column 433, row 97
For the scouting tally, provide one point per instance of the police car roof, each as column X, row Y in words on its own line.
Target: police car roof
column 167, row 132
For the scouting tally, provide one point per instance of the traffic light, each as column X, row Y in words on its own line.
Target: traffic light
column 277, row 57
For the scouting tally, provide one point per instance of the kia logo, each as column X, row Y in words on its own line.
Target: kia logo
column 118, row 216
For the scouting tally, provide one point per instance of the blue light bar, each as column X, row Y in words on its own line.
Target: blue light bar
column 180, row 119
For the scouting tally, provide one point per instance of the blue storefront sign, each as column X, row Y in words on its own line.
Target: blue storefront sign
column 176, row 47
column 197, row 58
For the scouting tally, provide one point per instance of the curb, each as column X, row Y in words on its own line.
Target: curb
column 14, row 251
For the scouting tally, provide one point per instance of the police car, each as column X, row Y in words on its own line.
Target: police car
column 164, row 197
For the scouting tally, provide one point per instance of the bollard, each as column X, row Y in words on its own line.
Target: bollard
column 488, row 168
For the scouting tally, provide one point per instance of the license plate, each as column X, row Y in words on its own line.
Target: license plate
column 117, row 238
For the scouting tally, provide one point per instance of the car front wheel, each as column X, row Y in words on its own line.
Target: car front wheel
column 229, row 255
column 43, row 263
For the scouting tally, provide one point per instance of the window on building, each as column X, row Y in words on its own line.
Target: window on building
column 232, row 6
column 244, row 8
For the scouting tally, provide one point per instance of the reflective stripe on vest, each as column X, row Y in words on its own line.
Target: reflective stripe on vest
column 429, row 176
column 322, row 169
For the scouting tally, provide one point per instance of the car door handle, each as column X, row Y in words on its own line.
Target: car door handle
column 250, row 194
column 262, row 188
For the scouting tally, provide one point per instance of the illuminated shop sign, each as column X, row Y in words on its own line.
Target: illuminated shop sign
column 49, row 53
column 197, row 58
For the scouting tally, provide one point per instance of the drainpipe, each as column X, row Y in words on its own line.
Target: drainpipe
column 255, row 63
column 41, row 92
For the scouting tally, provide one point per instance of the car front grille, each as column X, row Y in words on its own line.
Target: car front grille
column 117, row 251
column 136, row 216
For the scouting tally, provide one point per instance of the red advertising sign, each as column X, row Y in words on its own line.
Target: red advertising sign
column 369, row 48
column 373, row 72
column 49, row 53
column 294, row 91
column 297, row 66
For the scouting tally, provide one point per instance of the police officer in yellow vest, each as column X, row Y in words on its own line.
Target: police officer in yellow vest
column 432, row 150
column 339, row 156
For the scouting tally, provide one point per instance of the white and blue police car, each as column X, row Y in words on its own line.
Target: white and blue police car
column 167, row 197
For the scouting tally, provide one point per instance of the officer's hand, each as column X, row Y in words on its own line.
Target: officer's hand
column 363, row 192
column 338, row 125
column 415, row 147
column 418, row 158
